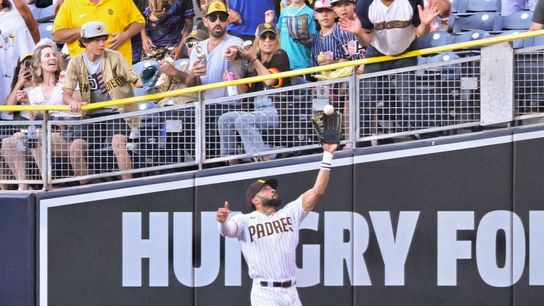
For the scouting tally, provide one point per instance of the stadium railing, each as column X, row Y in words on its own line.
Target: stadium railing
column 428, row 100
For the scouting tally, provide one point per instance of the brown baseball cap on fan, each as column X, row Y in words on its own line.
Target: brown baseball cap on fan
column 265, row 27
column 256, row 186
column 197, row 34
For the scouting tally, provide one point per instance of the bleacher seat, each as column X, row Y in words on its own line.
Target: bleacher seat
column 44, row 14
column 535, row 41
column 469, row 36
column 46, row 30
column 455, row 5
column 485, row 21
column 474, row 6
column 448, row 72
column 518, row 43
column 433, row 39
column 517, row 21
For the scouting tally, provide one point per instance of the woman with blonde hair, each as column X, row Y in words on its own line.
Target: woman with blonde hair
column 47, row 68
column 265, row 57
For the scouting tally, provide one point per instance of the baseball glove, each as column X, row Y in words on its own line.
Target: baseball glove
column 328, row 127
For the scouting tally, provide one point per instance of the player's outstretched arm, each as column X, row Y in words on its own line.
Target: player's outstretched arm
column 227, row 228
column 310, row 197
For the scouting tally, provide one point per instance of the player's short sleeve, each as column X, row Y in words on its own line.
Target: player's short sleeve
column 239, row 219
column 362, row 12
column 296, row 210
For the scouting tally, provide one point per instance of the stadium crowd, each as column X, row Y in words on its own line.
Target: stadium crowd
column 98, row 42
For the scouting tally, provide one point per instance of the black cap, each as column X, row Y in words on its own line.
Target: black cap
column 256, row 186
column 333, row 2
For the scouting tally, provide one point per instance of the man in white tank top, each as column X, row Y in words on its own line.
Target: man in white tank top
column 269, row 235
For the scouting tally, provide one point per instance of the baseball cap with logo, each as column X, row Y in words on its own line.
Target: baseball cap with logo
column 93, row 29
column 322, row 5
column 197, row 34
column 333, row 2
column 256, row 186
column 217, row 6
column 266, row 27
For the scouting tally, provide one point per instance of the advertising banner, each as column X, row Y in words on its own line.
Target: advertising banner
column 432, row 223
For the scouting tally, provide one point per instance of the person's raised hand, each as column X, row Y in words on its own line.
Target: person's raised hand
column 223, row 213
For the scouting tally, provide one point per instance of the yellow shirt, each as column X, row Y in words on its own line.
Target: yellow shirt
column 117, row 15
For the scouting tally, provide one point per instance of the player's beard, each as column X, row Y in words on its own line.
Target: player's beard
column 272, row 202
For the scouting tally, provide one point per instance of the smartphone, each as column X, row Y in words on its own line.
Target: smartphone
column 28, row 64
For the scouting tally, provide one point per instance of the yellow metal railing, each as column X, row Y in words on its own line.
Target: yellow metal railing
column 298, row 72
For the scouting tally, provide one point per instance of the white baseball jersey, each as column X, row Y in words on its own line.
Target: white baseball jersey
column 269, row 242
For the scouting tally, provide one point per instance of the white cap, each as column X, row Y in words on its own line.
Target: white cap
column 93, row 29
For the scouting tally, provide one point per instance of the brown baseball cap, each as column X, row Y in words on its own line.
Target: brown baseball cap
column 266, row 27
column 197, row 34
column 256, row 186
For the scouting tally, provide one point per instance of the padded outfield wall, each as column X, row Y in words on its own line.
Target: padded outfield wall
column 443, row 222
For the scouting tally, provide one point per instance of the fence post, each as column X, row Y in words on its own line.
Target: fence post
column 47, row 154
column 497, row 84
column 354, row 107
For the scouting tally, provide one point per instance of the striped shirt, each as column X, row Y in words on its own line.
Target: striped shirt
column 350, row 46
column 326, row 46
column 269, row 242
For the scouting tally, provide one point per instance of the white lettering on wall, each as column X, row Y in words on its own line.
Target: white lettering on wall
column 498, row 243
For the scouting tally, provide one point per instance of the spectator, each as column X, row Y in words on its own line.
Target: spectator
column 121, row 18
column 390, row 28
column 252, row 14
column 296, row 25
column 265, row 57
column 325, row 49
column 509, row 7
column 20, row 87
column 102, row 75
column 220, row 58
column 136, row 40
column 18, row 32
column 351, row 48
column 219, row 55
column 203, row 5
column 177, row 75
column 538, row 17
column 47, row 65
column 168, row 22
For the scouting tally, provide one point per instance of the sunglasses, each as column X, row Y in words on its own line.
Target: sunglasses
column 191, row 44
column 270, row 36
column 222, row 17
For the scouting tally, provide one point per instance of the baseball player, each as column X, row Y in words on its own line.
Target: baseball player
column 269, row 235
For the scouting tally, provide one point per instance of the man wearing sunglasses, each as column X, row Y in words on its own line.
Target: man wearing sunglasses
column 209, row 62
column 220, row 58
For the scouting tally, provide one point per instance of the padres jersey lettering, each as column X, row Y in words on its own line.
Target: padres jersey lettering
column 269, row 228
column 269, row 242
